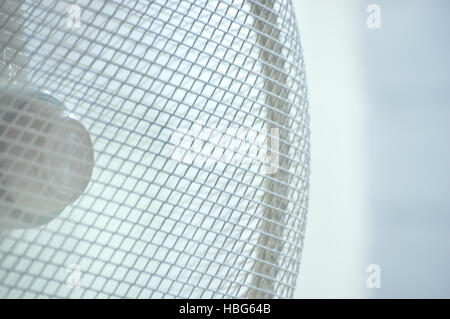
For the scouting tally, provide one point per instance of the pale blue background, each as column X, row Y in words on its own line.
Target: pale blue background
column 380, row 140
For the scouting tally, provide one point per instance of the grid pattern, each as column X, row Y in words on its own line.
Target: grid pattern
column 149, row 226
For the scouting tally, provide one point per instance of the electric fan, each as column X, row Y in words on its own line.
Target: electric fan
column 151, row 149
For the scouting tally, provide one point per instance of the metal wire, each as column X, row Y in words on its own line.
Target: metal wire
column 149, row 226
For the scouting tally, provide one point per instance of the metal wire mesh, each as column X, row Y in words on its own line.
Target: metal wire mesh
column 148, row 225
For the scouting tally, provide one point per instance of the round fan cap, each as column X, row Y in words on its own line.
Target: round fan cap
column 47, row 158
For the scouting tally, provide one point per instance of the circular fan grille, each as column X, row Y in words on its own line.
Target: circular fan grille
column 149, row 224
